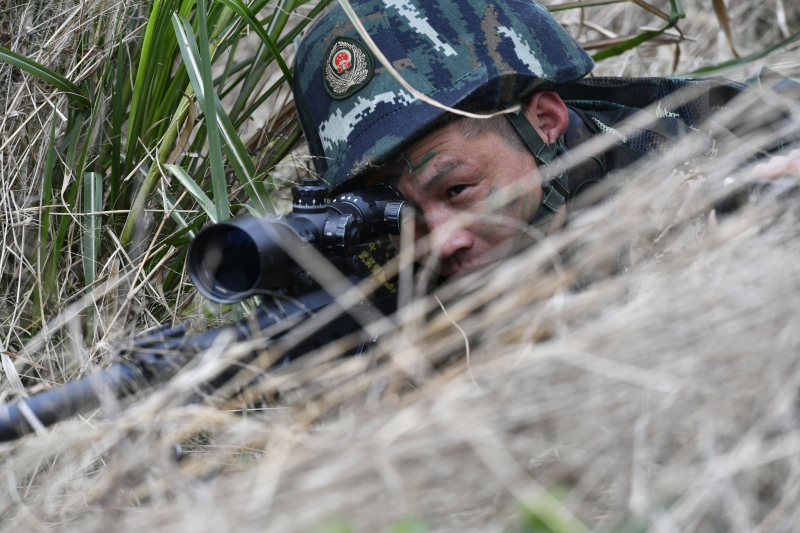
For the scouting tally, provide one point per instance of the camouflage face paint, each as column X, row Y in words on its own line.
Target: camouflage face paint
column 427, row 157
column 528, row 210
column 494, row 202
column 502, row 207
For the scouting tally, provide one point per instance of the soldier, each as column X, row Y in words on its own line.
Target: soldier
column 474, row 180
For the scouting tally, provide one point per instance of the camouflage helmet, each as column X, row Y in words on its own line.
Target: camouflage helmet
column 464, row 53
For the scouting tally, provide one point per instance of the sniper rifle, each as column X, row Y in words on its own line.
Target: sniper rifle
column 229, row 262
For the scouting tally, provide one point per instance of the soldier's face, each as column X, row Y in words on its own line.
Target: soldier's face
column 474, row 195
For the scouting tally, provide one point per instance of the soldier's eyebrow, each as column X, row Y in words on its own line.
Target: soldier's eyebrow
column 441, row 172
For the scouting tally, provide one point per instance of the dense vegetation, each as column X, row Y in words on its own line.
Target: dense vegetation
column 109, row 165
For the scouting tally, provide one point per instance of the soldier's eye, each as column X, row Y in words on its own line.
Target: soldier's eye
column 454, row 191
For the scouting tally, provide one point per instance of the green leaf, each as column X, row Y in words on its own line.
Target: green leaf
column 168, row 202
column 40, row 71
column 198, row 65
column 47, row 187
column 676, row 13
column 50, row 274
column 194, row 189
column 92, row 203
column 743, row 60
column 628, row 44
column 214, row 148
column 135, row 116
column 280, row 151
column 47, row 200
column 282, row 43
column 410, row 525
column 262, row 59
column 581, row 4
column 250, row 209
column 261, row 99
column 243, row 11
column 234, row 147
column 546, row 515
column 116, row 130
column 260, row 197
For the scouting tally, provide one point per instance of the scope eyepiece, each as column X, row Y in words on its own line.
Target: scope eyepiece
column 233, row 260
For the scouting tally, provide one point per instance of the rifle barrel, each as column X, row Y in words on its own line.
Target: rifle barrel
column 63, row 402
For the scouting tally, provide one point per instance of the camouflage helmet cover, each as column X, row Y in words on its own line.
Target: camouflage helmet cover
column 475, row 53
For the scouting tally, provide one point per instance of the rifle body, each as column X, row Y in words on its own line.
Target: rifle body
column 229, row 262
column 157, row 355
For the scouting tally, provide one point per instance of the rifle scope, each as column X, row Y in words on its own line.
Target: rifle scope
column 244, row 256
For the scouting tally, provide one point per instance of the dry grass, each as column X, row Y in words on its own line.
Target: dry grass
column 648, row 381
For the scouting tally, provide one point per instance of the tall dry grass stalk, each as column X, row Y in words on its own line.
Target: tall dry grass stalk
column 623, row 375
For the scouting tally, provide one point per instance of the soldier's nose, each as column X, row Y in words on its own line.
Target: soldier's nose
column 448, row 241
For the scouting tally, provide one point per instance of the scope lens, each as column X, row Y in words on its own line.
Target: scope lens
column 229, row 261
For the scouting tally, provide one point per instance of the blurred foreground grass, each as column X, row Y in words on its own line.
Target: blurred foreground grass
column 108, row 168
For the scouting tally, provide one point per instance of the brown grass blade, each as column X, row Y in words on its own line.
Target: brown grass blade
column 724, row 22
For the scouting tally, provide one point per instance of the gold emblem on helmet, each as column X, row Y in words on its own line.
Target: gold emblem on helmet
column 348, row 67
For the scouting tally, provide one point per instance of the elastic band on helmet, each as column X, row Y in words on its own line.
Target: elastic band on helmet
column 540, row 149
column 555, row 189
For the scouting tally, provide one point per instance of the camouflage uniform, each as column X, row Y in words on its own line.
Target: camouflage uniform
column 477, row 54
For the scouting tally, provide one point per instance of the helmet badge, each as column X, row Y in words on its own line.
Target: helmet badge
column 342, row 61
column 348, row 67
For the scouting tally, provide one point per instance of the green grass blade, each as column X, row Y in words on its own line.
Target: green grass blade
column 222, row 78
column 677, row 10
column 169, row 203
column 116, row 130
column 243, row 11
column 75, row 93
column 52, row 264
column 154, row 124
column 77, row 174
column 628, row 44
column 228, row 63
column 743, row 60
column 194, row 189
column 282, row 43
column 204, row 89
column 47, row 186
column 581, row 4
column 47, row 200
column 154, row 174
column 283, row 148
column 234, row 147
column 233, row 85
column 135, row 116
column 250, row 209
column 241, row 162
column 676, row 13
column 92, row 203
column 261, row 99
column 259, row 66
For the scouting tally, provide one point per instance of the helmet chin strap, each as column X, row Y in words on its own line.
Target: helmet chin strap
column 555, row 186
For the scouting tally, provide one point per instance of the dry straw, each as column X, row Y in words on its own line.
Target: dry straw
column 635, row 372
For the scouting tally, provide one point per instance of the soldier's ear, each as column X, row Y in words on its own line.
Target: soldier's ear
column 548, row 114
